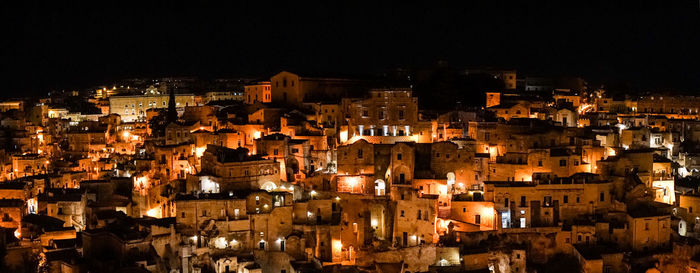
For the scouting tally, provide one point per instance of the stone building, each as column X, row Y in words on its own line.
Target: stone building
column 132, row 108
column 291, row 88
column 225, row 169
column 258, row 92
column 385, row 112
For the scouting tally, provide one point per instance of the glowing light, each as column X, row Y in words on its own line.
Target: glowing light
column 141, row 184
column 221, row 243
column 18, row 234
column 256, row 134
column 374, row 223
column 209, row 186
column 442, row 189
column 32, row 204
column 154, row 212
column 611, row 152
column 337, row 246
column 343, row 136
column 199, row 151
column 487, row 211
column 584, row 108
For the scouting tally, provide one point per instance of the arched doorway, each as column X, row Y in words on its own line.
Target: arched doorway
column 379, row 187
column 268, row 186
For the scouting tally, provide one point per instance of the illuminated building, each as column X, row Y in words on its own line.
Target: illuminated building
column 258, row 92
column 132, row 108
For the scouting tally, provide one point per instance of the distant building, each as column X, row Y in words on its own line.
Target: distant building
column 287, row 87
column 386, row 112
column 222, row 95
column 133, row 108
column 258, row 92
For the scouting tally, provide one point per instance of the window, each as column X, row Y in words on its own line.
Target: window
column 578, row 199
column 562, row 163
column 437, row 154
column 566, row 199
column 477, row 219
column 575, row 162
column 507, row 203
column 359, row 153
column 523, row 201
column 403, row 214
column 602, row 196
column 646, row 226
column 539, row 163
column 295, row 150
column 547, row 200
column 398, row 156
column 262, row 245
column 275, row 151
column 380, row 114
column 464, row 209
column 420, row 213
column 401, row 115
column 365, row 113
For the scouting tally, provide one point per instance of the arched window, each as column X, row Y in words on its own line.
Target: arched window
column 379, row 187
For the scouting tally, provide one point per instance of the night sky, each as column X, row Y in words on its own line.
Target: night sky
column 66, row 46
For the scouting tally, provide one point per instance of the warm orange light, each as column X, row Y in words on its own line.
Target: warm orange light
column 154, row 212
column 141, row 184
column 337, row 245
column 584, row 108
column 199, row 151
column 487, row 211
column 343, row 136
column 18, row 234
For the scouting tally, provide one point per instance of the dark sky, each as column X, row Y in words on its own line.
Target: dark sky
column 66, row 46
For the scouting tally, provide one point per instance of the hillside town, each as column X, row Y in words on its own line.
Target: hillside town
column 296, row 173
